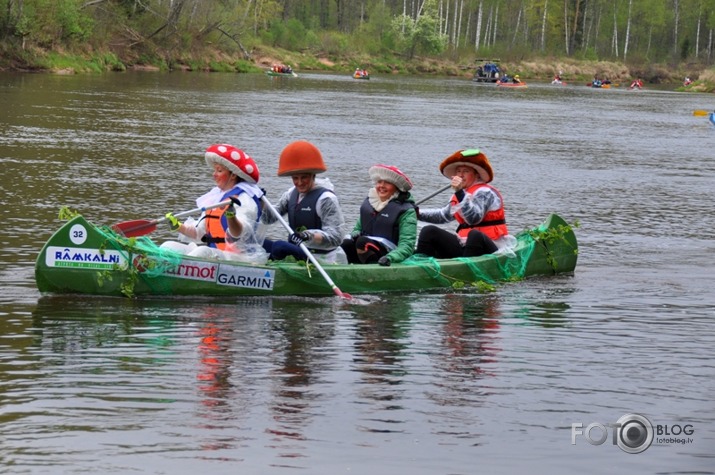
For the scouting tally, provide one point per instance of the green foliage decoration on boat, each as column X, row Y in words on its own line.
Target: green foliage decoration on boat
column 66, row 213
column 546, row 237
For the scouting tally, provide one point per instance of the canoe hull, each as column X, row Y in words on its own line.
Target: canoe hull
column 83, row 259
column 511, row 84
column 287, row 75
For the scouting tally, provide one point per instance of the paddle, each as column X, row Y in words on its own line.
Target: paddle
column 141, row 227
column 700, row 112
column 444, row 188
column 312, row 258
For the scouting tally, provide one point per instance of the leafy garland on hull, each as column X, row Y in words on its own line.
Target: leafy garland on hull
column 482, row 284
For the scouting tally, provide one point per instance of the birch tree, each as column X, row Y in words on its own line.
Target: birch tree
column 478, row 31
column 676, row 14
column 628, row 30
column 543, row 26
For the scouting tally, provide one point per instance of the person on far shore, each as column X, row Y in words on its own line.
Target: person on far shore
column 636, row 84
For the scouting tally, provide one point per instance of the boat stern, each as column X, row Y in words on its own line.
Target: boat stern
column 556, row 247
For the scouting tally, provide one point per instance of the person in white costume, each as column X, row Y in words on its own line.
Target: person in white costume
column 231, row 232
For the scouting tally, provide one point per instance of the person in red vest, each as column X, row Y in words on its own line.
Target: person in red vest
column 476, row 205
column 228, row 232
column 637, row 84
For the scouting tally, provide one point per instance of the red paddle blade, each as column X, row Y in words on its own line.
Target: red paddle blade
column 135, row 228
column 342, row 294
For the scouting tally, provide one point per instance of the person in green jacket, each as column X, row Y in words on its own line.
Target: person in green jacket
column 386, row 230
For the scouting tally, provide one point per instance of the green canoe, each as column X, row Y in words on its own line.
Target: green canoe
column 87, row 259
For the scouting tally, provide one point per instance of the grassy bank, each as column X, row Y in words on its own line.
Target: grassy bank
column 261, row 58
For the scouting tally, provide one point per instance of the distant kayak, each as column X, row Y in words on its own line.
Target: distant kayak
column 291, row 74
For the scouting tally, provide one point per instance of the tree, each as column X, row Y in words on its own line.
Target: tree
column 418, row 36
column 633, row 30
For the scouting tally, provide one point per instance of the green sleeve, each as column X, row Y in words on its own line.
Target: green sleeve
column 408, row 236
column 358, row 226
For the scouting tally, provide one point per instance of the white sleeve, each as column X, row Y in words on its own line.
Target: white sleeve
column 246, row 213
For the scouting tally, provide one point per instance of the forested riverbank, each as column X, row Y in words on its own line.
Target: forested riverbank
column 533, row 38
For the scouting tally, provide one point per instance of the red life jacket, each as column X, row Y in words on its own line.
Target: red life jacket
column 493, row 224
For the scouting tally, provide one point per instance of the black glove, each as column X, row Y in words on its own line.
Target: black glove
column 235, row 200
column 299, row 237
column 384, row 261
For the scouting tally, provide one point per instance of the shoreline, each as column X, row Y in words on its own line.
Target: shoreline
column 261, row 59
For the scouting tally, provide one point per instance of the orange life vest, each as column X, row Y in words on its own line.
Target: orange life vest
column 493, row 224
column 215, row 231
column 216, row 224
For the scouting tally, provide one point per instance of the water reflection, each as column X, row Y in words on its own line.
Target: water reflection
column 230, row 358
column 548, row 308
column 299, row 338
column 224, row 400
column 470, row 335
column 122, row 363
column 465, row 360
column 381, row 352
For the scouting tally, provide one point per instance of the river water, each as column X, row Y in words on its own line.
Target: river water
column 423, row 383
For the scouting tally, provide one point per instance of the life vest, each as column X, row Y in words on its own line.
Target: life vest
column 383, row 223
column 216, row 224
column 304, row 215
column 493, row 223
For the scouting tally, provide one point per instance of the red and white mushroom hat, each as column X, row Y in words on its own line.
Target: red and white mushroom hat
column 391, row 174
column 236, row 160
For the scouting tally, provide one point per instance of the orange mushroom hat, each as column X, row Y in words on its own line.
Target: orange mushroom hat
column 472, row 158
column 300, row 157
column 236, row 160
